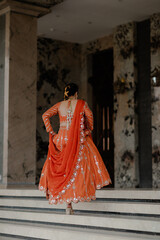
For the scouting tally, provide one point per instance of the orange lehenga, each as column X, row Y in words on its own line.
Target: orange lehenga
column 74, row 168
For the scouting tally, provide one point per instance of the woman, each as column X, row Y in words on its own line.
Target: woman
column 74, row 168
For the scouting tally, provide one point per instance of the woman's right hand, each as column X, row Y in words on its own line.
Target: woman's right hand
column 52, row 134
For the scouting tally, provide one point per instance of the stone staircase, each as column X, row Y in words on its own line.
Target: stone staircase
column 116, row 214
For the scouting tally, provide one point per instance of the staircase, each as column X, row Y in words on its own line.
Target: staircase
column 115, row 215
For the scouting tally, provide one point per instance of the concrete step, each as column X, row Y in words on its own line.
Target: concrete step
column 141, row 194
column 51, row 232
column 125, row 223
column 93, row 206
column 116, row 214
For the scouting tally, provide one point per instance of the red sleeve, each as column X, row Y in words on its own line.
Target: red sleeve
column 47, row 115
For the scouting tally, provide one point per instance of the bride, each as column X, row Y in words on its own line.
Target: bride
column 74, row 168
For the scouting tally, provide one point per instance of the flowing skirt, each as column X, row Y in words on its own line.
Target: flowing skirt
column 91, row 175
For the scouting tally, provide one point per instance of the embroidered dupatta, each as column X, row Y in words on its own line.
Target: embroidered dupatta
column 61, row 167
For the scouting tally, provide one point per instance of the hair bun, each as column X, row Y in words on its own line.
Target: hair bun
column 69, row 90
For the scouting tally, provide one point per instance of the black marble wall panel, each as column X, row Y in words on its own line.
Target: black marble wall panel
column 144, row 104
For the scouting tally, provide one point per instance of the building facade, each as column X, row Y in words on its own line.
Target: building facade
column 33, row 73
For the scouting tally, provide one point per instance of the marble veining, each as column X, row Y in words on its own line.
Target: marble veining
column 22, row 100
column 125, row 119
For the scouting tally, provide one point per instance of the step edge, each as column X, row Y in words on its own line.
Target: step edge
column 84, row 227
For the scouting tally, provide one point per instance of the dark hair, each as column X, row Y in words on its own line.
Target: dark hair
column 69, row 90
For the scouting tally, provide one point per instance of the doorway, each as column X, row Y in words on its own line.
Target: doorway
column 102, row 84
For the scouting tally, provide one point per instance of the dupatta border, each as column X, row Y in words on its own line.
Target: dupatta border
column 54, row 200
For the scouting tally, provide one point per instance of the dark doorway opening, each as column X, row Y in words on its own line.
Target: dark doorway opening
column 102, row 83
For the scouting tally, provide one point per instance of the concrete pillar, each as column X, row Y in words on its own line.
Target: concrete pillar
column 20, row 75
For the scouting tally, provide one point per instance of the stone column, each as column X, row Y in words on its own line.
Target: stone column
column 20, row 75
column 125, row 118
column 155, row 80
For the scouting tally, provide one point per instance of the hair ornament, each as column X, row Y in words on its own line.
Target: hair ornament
column 66, row 92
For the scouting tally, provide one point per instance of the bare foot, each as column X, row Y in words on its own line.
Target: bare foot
column 47, row 195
